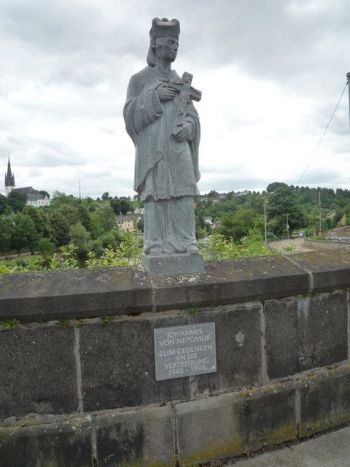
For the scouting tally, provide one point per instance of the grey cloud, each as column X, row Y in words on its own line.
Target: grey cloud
column 321, row 177
column 91, row 49
column 236, row 182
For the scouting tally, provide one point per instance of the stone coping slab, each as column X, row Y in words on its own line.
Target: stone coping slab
column 83, row 293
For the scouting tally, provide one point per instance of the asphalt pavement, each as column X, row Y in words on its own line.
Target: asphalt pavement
column 328, row 450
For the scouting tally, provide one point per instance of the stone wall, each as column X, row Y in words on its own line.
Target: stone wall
column 77, row 379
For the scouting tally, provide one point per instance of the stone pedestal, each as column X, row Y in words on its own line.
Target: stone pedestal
column 173, row 265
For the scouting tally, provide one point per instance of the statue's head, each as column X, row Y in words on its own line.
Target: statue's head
column 164, row 40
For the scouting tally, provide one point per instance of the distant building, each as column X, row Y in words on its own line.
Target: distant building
column 208, row 221
column 126, row 223
column 34, row 197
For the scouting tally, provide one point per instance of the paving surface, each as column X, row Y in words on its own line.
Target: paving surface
column 329, row 450
column 293, row 245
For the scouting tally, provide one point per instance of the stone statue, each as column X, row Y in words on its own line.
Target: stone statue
column 161, row 120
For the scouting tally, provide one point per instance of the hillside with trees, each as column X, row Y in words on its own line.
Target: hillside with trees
column 74, row 232
column 308, row 210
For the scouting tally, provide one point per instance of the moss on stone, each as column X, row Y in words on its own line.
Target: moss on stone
column 324, row 423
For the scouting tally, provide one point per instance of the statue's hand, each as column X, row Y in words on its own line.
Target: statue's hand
column 184, row 133
column 166, row 92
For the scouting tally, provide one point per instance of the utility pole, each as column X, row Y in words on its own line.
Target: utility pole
column 79, row 192
column 319, row 207
column 265, row 222
column 287, row 227
column 348, row 81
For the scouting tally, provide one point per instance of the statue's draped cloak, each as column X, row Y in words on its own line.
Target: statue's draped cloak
column 164, row 168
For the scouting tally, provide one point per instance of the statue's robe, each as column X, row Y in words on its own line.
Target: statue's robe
column 166, row 172
column 164, row 169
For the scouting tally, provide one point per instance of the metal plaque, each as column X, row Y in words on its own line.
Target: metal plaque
column 184, row 350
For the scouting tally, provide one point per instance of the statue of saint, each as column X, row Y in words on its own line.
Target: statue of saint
column 161, row 120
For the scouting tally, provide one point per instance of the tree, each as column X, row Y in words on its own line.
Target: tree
column 3, row 203
column 275, row 185
column 60, row 229
column 6, row 227
column 284, row 201
column 60, row 199
column 17, row 200
column 44, row 193
column 125, row 205
column 84, row 217
column 70, row 213
column 105, row 196
column 40, row 217
column 115, row 205
column 79, row 237
column 238, row 224
column 46, row 249
column 103, row 220
column 24, row 233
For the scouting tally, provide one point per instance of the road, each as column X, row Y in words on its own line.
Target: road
column 293, row 245
column 328, row 450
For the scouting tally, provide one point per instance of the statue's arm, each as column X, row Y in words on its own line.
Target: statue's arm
column 142, row 106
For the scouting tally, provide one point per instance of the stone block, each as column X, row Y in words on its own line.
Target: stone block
column 77, row 293
column 228, row 425
column 305, row 332
column 38, row 371
column 173, row 265
column 238, row 348
column 330, row 268
column 227, row 282
column 55, row 443
column 136, row 437
column 324, row 400
column 117, row 363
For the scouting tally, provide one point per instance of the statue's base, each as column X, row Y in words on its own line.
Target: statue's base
column 173, row 265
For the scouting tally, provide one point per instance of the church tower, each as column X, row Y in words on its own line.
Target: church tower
column 9, row 179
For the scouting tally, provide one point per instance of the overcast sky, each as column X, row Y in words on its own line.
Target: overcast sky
column 270, row 71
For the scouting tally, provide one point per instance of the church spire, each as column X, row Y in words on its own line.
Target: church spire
column 9, row 178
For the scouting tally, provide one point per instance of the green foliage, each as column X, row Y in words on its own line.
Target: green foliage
column 79, row 237
column 274, row 186
column 282, row 202
column 64, row 323
column 103, row 219
column 96, row 247
column 60, row 228
column 24, row 233
column 6, row 229
column 122, row 205
column 238, row 225
column 192, row 310
column 3, row 203
column 106, row 319
column 128, row 254
column 91, row 229
column 24, row 264
column 65, row 259
column 10, row 323
column 218, row 247
column 46, row 249
column 105, row 196
column 16, row 201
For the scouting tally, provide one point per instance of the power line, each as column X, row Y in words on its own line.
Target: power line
column 323, row 135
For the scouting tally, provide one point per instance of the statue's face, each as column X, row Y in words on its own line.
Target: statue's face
column 166, row 48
